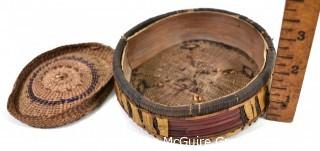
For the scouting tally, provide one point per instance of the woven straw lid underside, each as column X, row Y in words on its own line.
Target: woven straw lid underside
column 62, row 85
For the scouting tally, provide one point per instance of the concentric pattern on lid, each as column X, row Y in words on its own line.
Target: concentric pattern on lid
column 62, row 85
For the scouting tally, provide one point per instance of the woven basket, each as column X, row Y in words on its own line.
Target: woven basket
column 62, row 85
column 200, row 73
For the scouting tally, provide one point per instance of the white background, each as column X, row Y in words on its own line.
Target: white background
column 30, row 27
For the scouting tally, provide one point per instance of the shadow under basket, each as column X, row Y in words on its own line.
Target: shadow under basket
column 200, row 73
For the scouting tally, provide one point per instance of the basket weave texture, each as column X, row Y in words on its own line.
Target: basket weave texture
column 62, row 85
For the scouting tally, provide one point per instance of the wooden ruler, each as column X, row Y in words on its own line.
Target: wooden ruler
column 298, row 28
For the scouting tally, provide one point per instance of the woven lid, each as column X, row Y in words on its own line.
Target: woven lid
column 62, row 85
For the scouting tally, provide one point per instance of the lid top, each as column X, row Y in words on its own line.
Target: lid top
column 63, row 82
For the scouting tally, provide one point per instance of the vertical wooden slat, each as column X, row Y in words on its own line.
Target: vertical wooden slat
column 124, row 102
column 261, row 97
column 248, row 110
column 253, row 107
column 163, row 126
column 148, row 122
column 135, row 114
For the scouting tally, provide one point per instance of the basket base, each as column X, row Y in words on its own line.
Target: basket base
column 192, row 72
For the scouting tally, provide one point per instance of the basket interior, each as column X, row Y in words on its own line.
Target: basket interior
column 193, row 57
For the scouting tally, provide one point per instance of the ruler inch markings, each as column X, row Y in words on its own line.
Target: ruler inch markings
column 298, row 28
column 301, row 1
column 291, row 20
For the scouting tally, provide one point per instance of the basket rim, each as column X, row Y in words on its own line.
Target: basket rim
column 215, row 105
column 69, row 115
